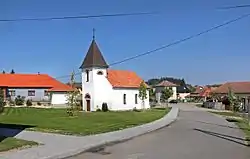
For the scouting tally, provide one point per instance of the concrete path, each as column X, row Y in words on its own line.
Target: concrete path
column 60, row 146
column 197, row 134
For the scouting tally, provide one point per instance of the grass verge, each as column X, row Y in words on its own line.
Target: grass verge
column 57, row 120
column 242, row 123
column 227, row 113
column 13, row 143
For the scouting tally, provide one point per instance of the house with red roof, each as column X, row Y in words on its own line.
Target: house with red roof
column 118, row 88
column 35, row 87
column 165, row 84
column 240, row 89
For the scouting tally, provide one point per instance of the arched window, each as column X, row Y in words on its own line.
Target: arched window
column 99, row 73
column 124, row 99
column 87, row 96
column 136, row 98
column 87, row 75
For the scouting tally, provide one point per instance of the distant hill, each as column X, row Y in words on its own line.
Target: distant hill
column 182, row 86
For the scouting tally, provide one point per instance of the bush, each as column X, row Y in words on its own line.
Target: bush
column 19, row 100
column 135, row 109
column 11, row 103
column 28, row 103
column 98, row 110
column 38, row 103
column 2, row 102
column 105, row 107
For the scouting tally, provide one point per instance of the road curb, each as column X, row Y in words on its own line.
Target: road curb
column 123, row 135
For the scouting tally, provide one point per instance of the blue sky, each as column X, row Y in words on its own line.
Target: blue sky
column 58, row 47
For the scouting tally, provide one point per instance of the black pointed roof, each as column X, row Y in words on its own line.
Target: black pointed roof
column 94, row 57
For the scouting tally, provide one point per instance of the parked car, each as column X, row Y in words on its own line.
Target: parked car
column 173, row 101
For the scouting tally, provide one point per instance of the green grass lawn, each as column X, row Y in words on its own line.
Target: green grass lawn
column 12, row 143
column 57, row 120
column 233, row 114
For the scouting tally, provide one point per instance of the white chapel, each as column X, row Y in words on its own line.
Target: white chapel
column 118, row 88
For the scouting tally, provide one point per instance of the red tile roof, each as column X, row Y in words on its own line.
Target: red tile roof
column 166, row 84
column 32, row 81
column 124, row 79
column 237, row 87
column 199, row 89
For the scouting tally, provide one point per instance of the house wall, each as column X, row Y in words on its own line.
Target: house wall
column 158, row 91
column 118, row 104
column 39, row 93
column 98, row 87
column 183, row 95
column 59, row 99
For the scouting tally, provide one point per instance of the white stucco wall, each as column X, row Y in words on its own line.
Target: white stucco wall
column 183, row 95
column 59, row 98
column 98, row 87
column 158, row 91
column 117, row 99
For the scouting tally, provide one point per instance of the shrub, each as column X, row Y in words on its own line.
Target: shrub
column 70, row 112
column 11, row 103
column 105, row 107
column 98, row 109
column 19, row 100
column 2, row 102
column 135, row 109
column 28, row 103
column 38, row 103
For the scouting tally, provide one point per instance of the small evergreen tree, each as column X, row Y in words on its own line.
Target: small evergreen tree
column 166, row 94
column 105, row 107
column 143, row 93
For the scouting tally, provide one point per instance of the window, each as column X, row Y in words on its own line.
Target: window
column 124, row 99
column 99, row 73
column 31, row 93
column 136, row 100
column 46, row 93
column 12, row 92
column 87, row 75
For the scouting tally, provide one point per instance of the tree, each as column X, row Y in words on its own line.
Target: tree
column 2, row 102
column 166, row 94
column 233, row 100
column 72, row 96
column 12, row 71
column 143, row 93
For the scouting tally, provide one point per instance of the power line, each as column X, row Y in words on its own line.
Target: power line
column 182, row 40
column 171, row 44
column 78, row 17
column 238, row 6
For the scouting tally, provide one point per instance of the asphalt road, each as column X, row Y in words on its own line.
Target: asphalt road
column 195, row 135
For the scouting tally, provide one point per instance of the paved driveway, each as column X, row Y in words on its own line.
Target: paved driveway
column 195, row 135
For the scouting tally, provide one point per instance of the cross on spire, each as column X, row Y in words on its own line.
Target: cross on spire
column 93, row 33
